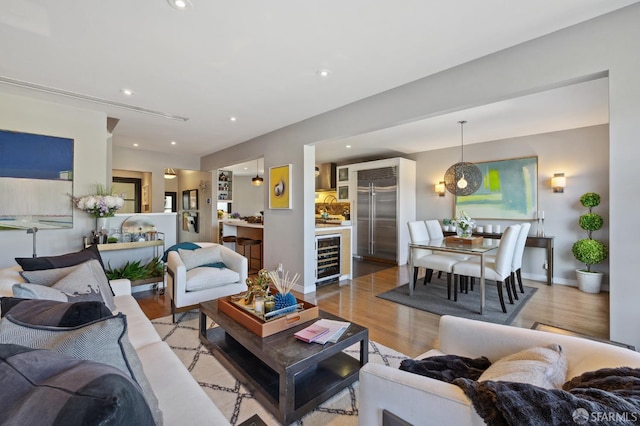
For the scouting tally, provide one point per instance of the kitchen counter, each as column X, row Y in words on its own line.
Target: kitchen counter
column 242, row 223
column 330, row 226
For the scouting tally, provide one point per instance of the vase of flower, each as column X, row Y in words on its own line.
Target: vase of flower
column 464, row 225
column 464, row 232
column 102, row 224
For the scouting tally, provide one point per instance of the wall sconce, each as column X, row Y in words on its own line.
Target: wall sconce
column 203, row 185
column 440, row 188
column 558, row 182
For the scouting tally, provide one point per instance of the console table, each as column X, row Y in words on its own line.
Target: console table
column 545, row 242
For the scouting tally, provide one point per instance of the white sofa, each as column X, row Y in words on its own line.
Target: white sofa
column 421, row 400
column 213, row 283
column 180, row 397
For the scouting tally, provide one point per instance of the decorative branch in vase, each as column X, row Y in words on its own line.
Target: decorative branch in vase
column 284, row 299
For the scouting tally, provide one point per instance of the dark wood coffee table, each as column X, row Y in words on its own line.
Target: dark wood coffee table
column 287, row 376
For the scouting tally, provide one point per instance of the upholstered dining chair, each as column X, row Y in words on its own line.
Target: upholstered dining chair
column 516, row 262
column 427, row 259
column 497, row 269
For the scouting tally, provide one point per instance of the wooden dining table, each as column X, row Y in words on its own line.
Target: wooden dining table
column 443, row 245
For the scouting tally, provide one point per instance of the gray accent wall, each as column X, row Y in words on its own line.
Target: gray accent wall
column 604, row 46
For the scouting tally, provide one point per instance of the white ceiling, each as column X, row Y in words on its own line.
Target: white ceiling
column 258, row 60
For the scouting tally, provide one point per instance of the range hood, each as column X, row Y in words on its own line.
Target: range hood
column 326, row 180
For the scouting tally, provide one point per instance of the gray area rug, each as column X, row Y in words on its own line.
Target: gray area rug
column 433, row 298
column 234, row 400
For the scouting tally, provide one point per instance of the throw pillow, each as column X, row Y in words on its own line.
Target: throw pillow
column 104, row 340
column 85, row 281
column 202, row 256
column 545, row 367
column 45, row 387
column 185, row 246
column 57, row 314
column 61, row 261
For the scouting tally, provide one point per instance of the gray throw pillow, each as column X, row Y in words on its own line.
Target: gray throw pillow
column 199, row 257
column 45, row 387
column 104, row 340
column 83, row 282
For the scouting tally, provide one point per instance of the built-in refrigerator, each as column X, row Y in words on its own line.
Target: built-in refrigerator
column 377, row 236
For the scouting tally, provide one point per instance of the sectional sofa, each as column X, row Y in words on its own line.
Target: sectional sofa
column 180, row 398
column 421, row 400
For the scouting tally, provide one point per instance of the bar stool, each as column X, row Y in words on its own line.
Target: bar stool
column 229, row 239
column 250, row 242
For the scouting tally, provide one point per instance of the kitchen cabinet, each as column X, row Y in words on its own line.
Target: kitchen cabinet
column 225, row 185
column 343, row 183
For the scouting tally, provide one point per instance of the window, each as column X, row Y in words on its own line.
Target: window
column 131, row 189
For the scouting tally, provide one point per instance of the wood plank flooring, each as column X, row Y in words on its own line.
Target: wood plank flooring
column 412, row 331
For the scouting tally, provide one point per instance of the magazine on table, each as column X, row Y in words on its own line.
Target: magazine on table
column 335, row 330
column 311, row 333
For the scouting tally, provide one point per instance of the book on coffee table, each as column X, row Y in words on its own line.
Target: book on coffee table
column 311, row 333
column 336, row 329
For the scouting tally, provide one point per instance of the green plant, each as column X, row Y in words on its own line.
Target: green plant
column 446, row 222
column 588, row 250
column 136, row 271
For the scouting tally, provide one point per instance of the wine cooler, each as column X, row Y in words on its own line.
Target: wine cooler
column 327, row 258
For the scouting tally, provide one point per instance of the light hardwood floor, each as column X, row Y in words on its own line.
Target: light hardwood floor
column 412, row 331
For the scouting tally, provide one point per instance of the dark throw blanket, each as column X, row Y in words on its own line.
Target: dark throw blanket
column 610, row 396
column 447, row 368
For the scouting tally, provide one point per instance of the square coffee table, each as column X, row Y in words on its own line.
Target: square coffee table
column 287, row 376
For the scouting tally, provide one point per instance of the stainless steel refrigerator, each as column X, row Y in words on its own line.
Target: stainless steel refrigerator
column 377, row 237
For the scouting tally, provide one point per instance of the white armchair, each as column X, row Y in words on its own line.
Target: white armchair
column 187, row 288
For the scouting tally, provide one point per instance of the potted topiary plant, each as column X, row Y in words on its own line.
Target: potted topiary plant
column 588, row 250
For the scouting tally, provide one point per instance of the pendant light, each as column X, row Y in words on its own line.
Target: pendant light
column 257, row 181
column 462, row 178
column 169, row 173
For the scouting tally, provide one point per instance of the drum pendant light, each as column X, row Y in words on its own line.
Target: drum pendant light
column 462, row 178
column 257, row 181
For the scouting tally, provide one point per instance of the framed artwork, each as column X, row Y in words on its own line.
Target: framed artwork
column 145, row 194
column 193, row 199
column 509, row 190
column 36, row 179
column 280, row 187
column 190, row 222
column 185, row 200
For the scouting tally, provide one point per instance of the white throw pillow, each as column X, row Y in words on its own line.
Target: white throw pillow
column 545, row 367
column 202, row 256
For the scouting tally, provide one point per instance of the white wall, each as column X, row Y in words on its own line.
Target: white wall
column 248, row 200
column 607, row 45
column 582, row 154
column 153, row 162
column 88, row 129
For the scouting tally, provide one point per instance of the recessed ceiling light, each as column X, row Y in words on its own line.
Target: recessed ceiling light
column 126, row 92
column 173, row 142
column 324, row 73
column 135, row 144
column 180, row 4
column 348, row 146
column 233, row 119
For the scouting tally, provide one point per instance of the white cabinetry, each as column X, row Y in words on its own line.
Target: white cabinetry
column 342, row 184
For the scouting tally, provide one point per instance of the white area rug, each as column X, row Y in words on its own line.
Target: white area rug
column 234, row 400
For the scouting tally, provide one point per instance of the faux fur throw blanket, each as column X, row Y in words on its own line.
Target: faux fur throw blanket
column 609, row 396
column 447, row 368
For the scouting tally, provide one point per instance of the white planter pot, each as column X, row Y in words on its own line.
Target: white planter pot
column 589, row 282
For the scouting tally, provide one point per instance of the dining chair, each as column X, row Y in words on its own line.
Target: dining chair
column 423, row 258
column 516, row 262
column 518, row 253
column 497, row 269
